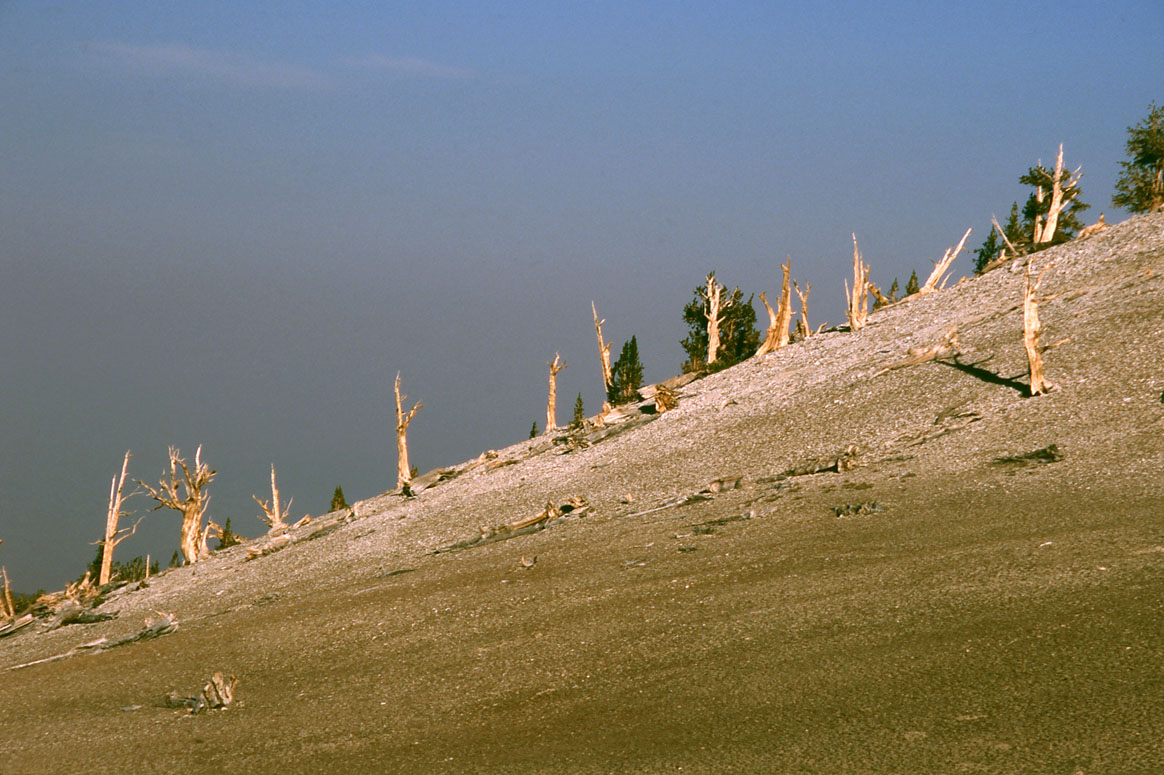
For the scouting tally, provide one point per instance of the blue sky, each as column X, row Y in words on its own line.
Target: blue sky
column 232, row 224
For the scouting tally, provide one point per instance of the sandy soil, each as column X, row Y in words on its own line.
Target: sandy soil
column 980, row 617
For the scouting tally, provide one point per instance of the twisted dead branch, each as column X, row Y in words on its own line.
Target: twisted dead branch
column 184, row 491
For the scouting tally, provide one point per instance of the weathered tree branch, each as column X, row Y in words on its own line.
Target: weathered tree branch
column 1009, row 245
column 403, row 469
column 938, row 276
column 1060, row 198
column 113, row 514
column 857, row 301
column 273, row 515
column 7, row 609
column 716, row 303
column 777, row 335
column 1032, row 328
column 552, row 402
column 603, row 351
column 191, row 502
column 802, row 324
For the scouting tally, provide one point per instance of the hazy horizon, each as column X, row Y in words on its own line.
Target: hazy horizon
column 233, row 225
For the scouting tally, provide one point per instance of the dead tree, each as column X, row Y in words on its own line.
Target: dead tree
column 1032, row 328
column 603, row 351
column 939, row 275
column 857, row 300
column 113, row 514
column 403, row 469
column 1094, row 228
column 1005, row 240
column 802, row 324
column 7, row 608
column 551, row 404
column 184, row 491
column 1061, row 196
column 273, row 515
column 716, row 304
column 777, row 335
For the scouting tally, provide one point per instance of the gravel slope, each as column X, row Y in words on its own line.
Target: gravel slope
column 981, row 617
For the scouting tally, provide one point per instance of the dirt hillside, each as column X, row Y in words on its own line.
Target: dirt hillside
column 817, row 563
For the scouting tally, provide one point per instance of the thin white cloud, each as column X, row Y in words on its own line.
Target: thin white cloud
column 179, row 59
column 411, row 67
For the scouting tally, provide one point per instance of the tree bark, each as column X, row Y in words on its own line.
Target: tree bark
column 857, row 300
column 112, row 515
column 191, row 503
column 403, row 469
column 777, row 335
column 937, row 278
column 714, row 307
column 273, row 514
column 603, row 351
column 551, row 403
column 1058, row 199
column 807, row 330
column 1032, row 328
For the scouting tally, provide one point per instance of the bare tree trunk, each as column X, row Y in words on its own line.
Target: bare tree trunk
column 114, row 513
column 1040, row 194
column 714, row 307
column 1058, row 199
column 1009, row 245
column 191, row 503
column 803, row 323
column 1032, row 328
column 857, row 309
column 551, row 404
column 777, row 335
column 603, row 351
column 1094, row 228
column 7, row 609
column 403, row 469
column 273, row 514
column 937, row 278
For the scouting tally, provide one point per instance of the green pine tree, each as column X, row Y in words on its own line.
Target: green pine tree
column 580, row 410
column 626, row 375
column 912, row 286
column 533, row 432
column 894, row 290
column 175, row 560
column 338, row 501
column 228, row 537
column 988, row 252
column 738, row 337
column 1140, row 187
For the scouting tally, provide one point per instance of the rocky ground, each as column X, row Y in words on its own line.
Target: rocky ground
column 944, row 604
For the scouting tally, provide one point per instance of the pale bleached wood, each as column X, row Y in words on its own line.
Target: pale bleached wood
column 274, row 514
column 802, row 324
column 1032, row 328
column 191, row 503
column 403, row 469
column 1094, row 228
column 556, row 365
column 603, row 351
column 1009, row 245
column 113, row 515
column 857, row 300
column 7, row 608
column 715, row 306
column 940, row 274
column 1059, row 198
column 777, row 335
